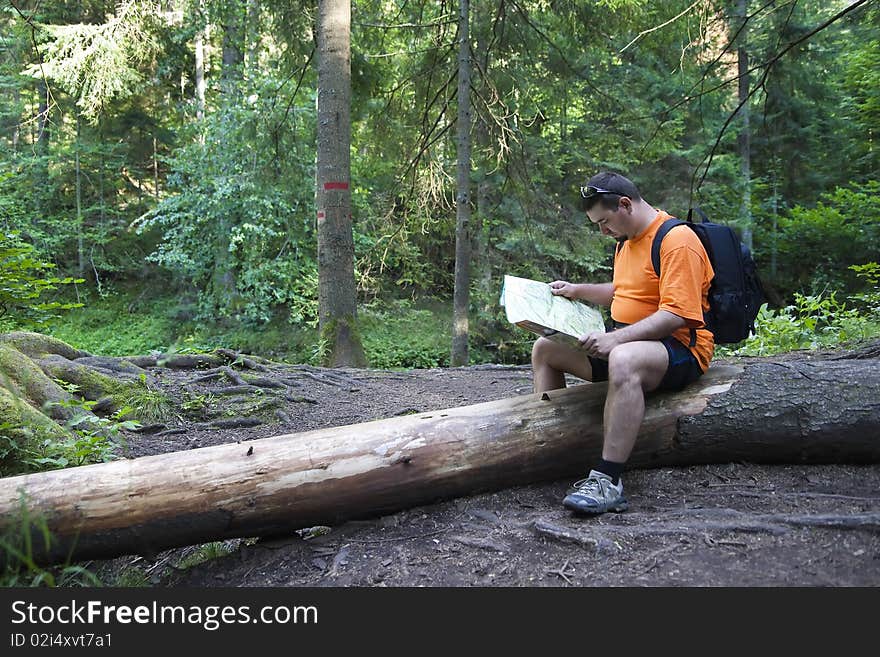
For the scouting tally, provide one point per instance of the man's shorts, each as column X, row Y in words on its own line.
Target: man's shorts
column 683, row 367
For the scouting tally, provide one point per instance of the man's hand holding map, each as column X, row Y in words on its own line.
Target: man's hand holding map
column 531, row 305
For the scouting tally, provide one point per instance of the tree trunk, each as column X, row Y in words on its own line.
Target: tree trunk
column 252, row 39
column 337, row 295
column 482, row 260
column 80, row 255
column 233, row 42
column 43, row 117
column 744, row 139
column 787, row 412
column 461, row 293
column 199, row 45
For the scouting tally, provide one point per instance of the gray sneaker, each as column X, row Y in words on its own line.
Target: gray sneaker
column 596, row 494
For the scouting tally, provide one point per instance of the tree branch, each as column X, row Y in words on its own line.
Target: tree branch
column 768, row 67
column 659, row 27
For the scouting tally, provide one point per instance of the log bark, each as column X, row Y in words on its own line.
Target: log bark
column 792, row 412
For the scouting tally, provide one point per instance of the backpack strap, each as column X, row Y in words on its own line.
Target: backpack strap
column 665, row 227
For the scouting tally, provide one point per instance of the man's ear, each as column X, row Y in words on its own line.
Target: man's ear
column 625, row 203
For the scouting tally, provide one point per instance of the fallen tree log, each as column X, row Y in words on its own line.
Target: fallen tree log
column 787, row 412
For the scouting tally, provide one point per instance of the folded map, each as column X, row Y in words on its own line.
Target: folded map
column 531, row 305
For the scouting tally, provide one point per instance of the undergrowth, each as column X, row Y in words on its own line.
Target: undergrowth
column 22, row 539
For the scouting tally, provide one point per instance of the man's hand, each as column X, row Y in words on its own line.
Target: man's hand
column 599, row 344
column 563, row 289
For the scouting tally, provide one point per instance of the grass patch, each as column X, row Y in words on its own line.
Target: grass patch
column 207, row 552
column 27, row 533
column 143, row 404
column 116, row 325
column 401, row 335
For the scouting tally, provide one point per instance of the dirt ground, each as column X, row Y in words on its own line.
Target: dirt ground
column 731, row 524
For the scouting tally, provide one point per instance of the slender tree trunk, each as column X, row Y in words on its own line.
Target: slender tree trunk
column 43, row 118
column 337, row 294
column 461, row 294
column 80, row 258
column 563, row 118
column 225, row 276
column 155, row 167
column 774, row 199
column 233, row 41
column 253, row 37
column 744, row 140
column 102, row 208
column 199, row 44
column 16, row 129
column 482, row 260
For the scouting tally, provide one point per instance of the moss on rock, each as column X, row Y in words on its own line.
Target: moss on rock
column 23, row 429
column 37, row 345
column 90, row 383
column 24, row 378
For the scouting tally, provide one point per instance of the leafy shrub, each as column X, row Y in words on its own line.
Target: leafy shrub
column 812, row 322
column 869, row 300
column 23, row 280
column 94, row 440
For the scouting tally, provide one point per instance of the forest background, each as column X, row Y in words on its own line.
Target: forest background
column 159, row 163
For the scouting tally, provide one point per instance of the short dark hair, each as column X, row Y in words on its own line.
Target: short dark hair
column 613, row 186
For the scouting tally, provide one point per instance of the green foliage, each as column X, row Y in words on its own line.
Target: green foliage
column 817, row 245
column 812, row 322
column 197, row 406
column 869, row 300
column 119, row 325
column 17, row 543
column 226, row 190
column 98, row 64
column 23, row 281
column 206, row 552
column 91, row 439
column 401, row 336
column 143, row 403
column 240, row 224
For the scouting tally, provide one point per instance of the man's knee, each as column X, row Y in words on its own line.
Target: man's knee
column 622, row 365
column 637, row 363
column 542, row 350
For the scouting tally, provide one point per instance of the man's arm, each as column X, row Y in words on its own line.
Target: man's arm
column 597, row 293
column 654, row 327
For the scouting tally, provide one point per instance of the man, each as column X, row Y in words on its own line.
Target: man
column 658, row 343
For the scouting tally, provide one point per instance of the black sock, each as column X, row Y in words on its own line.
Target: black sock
column 611, row 469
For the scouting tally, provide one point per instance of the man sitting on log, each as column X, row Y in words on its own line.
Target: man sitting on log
column 652, row 345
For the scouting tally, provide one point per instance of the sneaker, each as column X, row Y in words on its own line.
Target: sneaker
column 596, row 494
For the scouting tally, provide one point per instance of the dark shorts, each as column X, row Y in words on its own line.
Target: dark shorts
column 683, row 367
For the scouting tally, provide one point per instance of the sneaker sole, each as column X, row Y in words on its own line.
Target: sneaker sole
column 619, row 507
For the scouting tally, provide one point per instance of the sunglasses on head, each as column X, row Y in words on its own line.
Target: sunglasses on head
column 589, row 191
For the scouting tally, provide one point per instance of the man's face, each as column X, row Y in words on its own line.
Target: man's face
column 611, row 222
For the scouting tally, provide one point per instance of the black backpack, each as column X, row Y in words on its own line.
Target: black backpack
column 736, row 293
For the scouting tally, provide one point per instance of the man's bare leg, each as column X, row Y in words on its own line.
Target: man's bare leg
column 551, row 361
column 634, row 368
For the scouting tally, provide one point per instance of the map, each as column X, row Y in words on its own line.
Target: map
column 530, row 305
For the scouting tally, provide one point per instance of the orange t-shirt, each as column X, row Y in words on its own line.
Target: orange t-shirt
column 682, row 288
